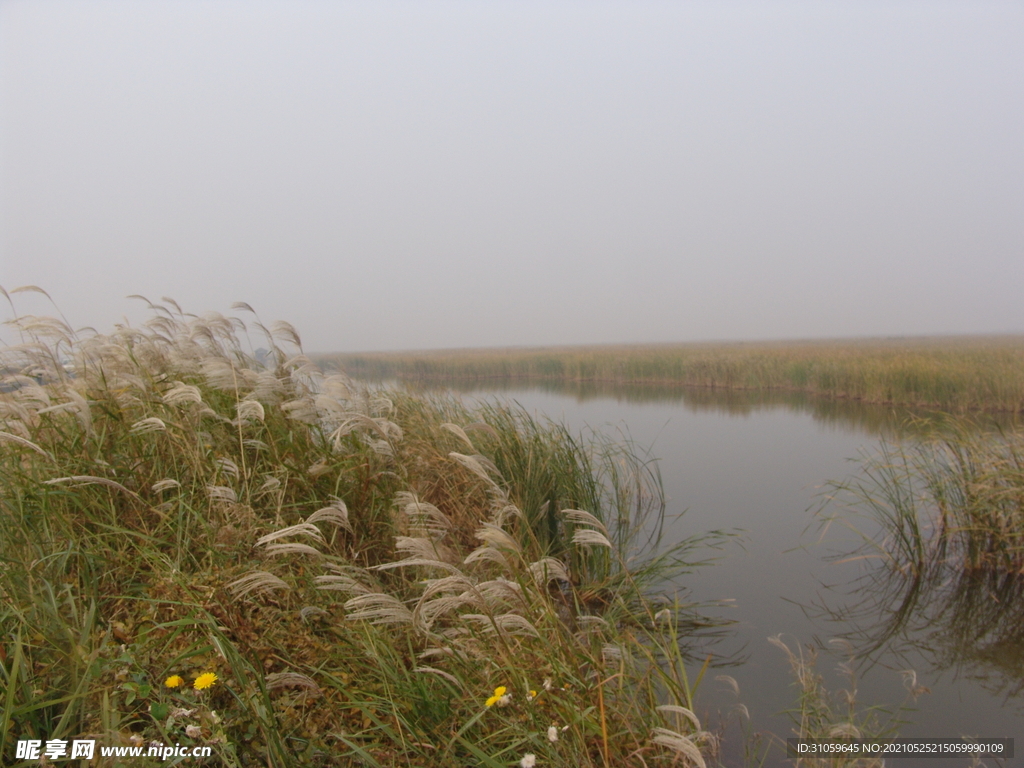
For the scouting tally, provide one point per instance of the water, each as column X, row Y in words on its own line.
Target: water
column 759, row 463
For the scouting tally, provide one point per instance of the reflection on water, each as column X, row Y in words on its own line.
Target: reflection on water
column 871, row 418
column 968, row 623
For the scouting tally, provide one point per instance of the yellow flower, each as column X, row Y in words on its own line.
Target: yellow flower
column 205, row 680
column 499, row 692
column 174, row 681
column 533, row 694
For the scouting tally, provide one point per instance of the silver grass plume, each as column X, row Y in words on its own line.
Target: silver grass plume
column 336, row 512
column 588, row 537
column 579, row 517
column 180, row 394
column 92, row 480
column 497, row 538
column 487, row 553
column 291, row 548
column 378, row 608
column 459, row 432
column 506, row 623
column 548, row 569
column 26, row 443
column 425, row 518
column 221, row 493
column 679, row 743
column 478, row 465
column 299, row 529
column 228, row 467
column 675, row 709
column 348, row 579
column 256, row 583
column 249, row 410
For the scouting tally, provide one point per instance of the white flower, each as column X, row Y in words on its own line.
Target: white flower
column 553, row 733
column 194, row 732
column 505, row 700
column 547, row 684
column 529, row 760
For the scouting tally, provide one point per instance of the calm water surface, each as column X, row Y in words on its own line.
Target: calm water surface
column 759, row 463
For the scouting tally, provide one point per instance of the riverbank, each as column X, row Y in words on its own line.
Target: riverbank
column 204, row 549
column 983, row 373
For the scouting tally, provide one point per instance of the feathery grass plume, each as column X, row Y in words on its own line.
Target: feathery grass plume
column 487, row 553
column 495, row 537
column 249, row 410
column 348, row 579
column 286, row 331
column 27, row 443
column 291, row 548
column 506, row 624
column 220, row 374
column 165, row 484
column 336, row 513
column 270, row 484
column 423, row 548
column 548, row 569
column 459, row 432
column 378, row 608
column 501, row 592
column 222, row 493
column 180, row 394
column 256, row 583
column 82, row 409
column 675, row 709
column 679, row 743
column 93, row 480
column 302, row 409
column 423, row 517
column 587, row 537
column 228, row 467
column 579, row 517
column 299, row 529
column 478, row 465
column 268, row 389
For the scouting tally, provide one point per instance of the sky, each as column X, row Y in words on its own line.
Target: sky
column 417, row 175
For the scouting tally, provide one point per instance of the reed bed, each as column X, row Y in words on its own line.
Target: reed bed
column 953, row 498
column 955, row 373
column 203, row 548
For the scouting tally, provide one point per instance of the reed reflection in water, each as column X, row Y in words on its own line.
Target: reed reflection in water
column 946, row 582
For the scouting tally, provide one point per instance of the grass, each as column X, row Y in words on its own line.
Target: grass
column 362, row 570
column 947, row 513
column 955, row 373
column 953, row 498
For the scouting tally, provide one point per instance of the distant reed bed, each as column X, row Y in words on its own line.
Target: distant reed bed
column 954, row 373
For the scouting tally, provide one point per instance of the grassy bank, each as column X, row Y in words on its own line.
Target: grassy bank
column 957, row 373
column 200, row 549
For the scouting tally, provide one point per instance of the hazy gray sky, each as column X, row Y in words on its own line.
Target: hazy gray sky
column 436, row 174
